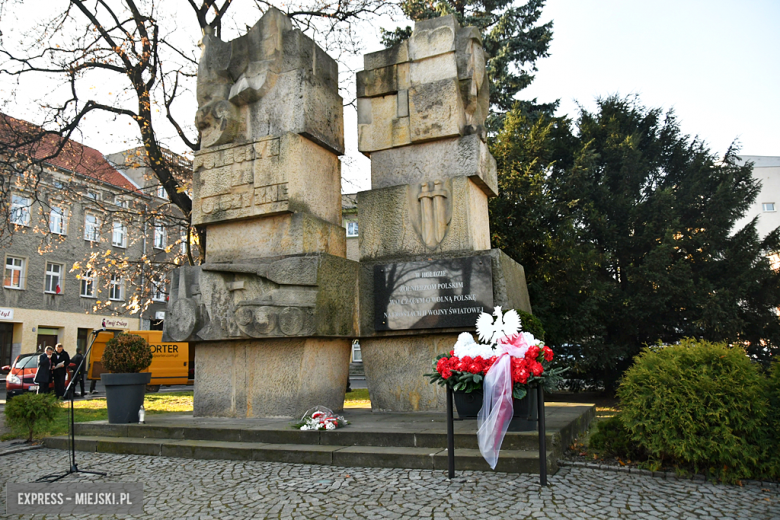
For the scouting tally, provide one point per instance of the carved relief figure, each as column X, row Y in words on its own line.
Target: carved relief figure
column 270, row 116
column 235, row 73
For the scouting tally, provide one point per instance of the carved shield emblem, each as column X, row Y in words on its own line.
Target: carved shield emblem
column 430, row 205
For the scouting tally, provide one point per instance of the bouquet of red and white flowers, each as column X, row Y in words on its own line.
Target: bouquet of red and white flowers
column 465, row 366
column 320, row 418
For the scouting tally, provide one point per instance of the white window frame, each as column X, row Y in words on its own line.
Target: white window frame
column 93, row 195
column 357, row 355
column 121, row 201
column 161, row 194
column 58, row 220
column 116, row 288
column 183, row 243
column 158, row 291
column 160, row 239
column 53, row 278
column 88, row 284
column 8, row 280
column 91, row 229
column 765, row 207
column 20, row 210
column 121, row 227
column 352, row 229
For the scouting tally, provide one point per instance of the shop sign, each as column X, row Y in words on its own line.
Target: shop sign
column 116, row 323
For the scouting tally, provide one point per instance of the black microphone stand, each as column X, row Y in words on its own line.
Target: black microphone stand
column 72, row 390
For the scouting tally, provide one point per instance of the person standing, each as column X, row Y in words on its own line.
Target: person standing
column 61, row 361
column 78, row 375
column 43, row 376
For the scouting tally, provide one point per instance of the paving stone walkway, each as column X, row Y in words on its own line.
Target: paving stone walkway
column 218, row 489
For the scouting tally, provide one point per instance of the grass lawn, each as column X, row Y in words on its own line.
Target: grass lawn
column 95, row 410
column 357, row 398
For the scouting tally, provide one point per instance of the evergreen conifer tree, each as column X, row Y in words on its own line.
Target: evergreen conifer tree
column 626, row 231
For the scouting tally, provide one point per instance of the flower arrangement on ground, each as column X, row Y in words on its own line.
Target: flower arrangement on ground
column 320, row 418
column 465, row 366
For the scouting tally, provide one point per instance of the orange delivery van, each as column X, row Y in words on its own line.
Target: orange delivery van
column 171, row 362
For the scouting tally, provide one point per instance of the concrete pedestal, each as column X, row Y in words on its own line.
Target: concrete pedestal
column 270, row 377
column 394, row 372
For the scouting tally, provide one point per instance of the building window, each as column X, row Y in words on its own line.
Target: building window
column 159, row 236
column 357, row 356
column 88, row 284
column 119, row 236
column 158, row 291
column 161, row 192
column 14, row 273
column 91, row 228
column 93, row 195
column 20, row 210
column 352, row 229
column 121, row 202
column 768, row 206
column 183, row 243
column 115, row 287
column 58, row 221
column 53, row 282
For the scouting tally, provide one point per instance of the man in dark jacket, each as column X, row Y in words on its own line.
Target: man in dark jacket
column 78, row 375
column 61, row 360
column 43, row 376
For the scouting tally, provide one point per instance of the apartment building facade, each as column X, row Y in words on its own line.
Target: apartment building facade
column 81, row 249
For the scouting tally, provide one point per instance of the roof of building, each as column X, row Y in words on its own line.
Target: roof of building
column 17, row 136
column 762, row 161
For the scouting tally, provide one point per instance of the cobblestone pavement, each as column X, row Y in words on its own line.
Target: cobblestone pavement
column 192, row 489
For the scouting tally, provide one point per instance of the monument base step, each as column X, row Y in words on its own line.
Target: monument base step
column 510, row 461
column 382, row 440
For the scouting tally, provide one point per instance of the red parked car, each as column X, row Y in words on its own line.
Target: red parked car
column 21, row 374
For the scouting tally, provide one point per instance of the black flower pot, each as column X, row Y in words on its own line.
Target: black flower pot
column 125, row 395
column 524, row 418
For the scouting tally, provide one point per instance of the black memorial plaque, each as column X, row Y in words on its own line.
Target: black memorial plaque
column 434, row 294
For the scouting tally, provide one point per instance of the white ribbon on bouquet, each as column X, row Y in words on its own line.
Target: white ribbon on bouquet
column 497, row 406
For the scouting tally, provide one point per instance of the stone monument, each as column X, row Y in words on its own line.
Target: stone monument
column 426, row 266
column 272, row 310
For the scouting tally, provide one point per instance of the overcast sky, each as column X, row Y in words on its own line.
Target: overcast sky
column 715, row 62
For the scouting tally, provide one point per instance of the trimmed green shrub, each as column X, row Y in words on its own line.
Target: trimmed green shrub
column 532, row 324
column 773, row 424
column 30, row 413
column 698, row 404
column 127, row 354
column 612, row 439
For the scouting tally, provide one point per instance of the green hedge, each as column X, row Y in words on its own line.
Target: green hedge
column 532, row 324
column 30, row 413
column 612, row 439
column 700, row 406
column 773, row 427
